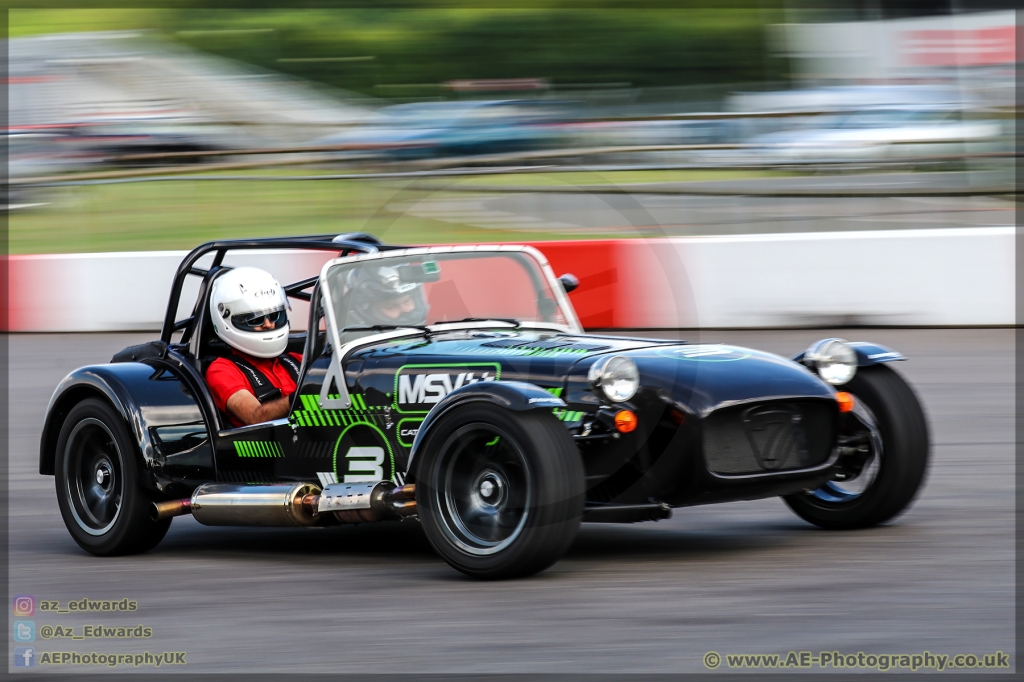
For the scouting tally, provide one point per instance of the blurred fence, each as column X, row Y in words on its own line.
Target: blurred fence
column 564, row 160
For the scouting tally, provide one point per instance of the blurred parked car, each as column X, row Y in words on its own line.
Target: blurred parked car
column 647, row 132
column 877, row 134
column 451, row 129
column 104, row 139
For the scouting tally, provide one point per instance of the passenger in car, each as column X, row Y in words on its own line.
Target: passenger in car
column 375, row 297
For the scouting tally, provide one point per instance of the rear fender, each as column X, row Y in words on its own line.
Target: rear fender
column 518, row 396
column 145, row 396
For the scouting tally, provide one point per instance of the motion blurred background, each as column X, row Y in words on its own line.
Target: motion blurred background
column 140, row 129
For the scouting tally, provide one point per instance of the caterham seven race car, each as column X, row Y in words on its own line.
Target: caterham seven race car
column 492, row 419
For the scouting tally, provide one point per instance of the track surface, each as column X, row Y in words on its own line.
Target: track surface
column 746, row 577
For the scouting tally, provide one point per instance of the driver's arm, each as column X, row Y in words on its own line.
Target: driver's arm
column 243, row 406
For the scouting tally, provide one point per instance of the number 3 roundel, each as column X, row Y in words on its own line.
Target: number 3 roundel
column 363, row 455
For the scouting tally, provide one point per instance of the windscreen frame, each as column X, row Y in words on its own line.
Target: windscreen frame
column 336, row 370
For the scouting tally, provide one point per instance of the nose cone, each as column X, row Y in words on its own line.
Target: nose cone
column 709, row 376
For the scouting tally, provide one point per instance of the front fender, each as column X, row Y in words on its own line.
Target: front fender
column 867, row 353
column 144, row 396
column 518, row 396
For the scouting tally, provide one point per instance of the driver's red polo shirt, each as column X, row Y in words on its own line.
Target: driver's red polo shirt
column 225, row 379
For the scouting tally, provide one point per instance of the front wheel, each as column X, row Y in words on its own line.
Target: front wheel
column 896, row 437
column 103, row 506
column 500, row 493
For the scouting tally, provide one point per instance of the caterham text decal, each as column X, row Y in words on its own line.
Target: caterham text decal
column 419, row 387
column 407, row 430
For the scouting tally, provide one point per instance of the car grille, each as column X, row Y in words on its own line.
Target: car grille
column 766, row 437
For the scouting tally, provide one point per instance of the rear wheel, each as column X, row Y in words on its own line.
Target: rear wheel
column 893, row 469
column 500, row 493
column 103, row 506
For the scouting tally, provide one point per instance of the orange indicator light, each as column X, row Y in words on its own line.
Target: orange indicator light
column 625, row 421
column 845, row 401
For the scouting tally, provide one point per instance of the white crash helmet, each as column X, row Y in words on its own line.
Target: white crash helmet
column 242, row 299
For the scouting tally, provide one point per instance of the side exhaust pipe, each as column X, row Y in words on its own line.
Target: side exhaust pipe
column 227, row 504
column 403, row 500
column 294, row 504
column 170, row 509
column 367, row 502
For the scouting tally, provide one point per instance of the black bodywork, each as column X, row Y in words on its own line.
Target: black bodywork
column 715, row 423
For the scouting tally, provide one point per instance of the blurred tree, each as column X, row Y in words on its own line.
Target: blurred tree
column 385, row 48
column 383, row 51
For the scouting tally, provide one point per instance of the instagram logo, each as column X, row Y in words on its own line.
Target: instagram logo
column 24, row 605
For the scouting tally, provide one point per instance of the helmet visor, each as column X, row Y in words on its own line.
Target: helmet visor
column 251, row 322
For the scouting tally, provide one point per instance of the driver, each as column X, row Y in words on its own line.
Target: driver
column 254, row 382
column 376, row 295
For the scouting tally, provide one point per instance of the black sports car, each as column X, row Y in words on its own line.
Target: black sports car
column 493, row 419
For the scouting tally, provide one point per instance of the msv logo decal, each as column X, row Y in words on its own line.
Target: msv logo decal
column 419, row 387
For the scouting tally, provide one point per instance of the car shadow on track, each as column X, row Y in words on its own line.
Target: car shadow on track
column 623, row 543
column 378, row 540
column 402, row 548
column 404, row 542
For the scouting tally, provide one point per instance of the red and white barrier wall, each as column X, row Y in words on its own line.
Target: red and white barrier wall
column 90, row 292
column 941, row 277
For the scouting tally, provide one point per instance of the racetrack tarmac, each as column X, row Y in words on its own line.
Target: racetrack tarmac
column 746, row 577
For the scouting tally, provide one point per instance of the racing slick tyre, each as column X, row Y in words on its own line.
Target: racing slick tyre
column 891, row 477
column 97, row 473
column 500, row 493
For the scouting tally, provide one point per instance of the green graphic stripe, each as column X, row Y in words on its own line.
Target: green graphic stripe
column 311, row 413
column 568, row 415
column 358, row 403
column 523, row 351
column 320, row 418
column 257, row 448
column 326, row 417
column 310, row 402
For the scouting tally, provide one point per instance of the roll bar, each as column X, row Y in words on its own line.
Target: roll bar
column 344, row 244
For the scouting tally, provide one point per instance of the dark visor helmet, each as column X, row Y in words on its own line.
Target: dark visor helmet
column 243, row 299
column 376, row 295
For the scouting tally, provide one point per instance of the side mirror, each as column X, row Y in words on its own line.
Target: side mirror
column 569, row 282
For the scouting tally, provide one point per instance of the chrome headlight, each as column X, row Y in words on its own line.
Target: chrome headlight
column 616, row 376
column 835, row 361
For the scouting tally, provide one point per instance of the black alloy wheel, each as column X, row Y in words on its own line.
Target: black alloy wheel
column 500, row 492
column 896, row 433
column 103, row 506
